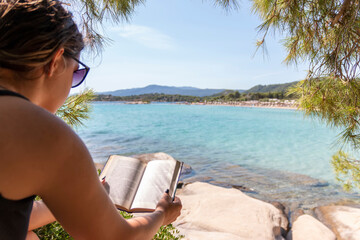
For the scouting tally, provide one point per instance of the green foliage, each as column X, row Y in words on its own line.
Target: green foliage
column 237, row 94
column 258, row 92
column 347, row 170
column 54, row 231
column 324, row 32
column 168, row 233
column 51, row 231
column 225, row 92
column 76, row 108
column 126, row 215
column 252, row 96
column 255, row 93
column 154, row 97
column 271, row 88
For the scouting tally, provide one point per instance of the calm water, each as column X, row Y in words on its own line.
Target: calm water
column 278, row 154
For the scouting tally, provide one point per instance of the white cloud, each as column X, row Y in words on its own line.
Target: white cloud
column 146, row 36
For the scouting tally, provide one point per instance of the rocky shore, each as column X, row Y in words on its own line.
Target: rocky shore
column 222, row 213
column 212, row 212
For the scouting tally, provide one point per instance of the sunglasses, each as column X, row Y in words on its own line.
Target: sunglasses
column 80, row 74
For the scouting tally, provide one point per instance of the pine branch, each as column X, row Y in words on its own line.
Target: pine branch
column 76, row 108
column 341, row 13
column 347, row 170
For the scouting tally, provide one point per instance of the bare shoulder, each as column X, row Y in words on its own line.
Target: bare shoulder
column 45, row 157
column 35, row 146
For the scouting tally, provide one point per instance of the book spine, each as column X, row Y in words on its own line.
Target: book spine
column 175, row 180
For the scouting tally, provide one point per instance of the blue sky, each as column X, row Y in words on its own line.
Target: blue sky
column 189, row 43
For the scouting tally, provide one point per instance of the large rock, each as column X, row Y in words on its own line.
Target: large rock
column 186, row 169
column 307, row 227
column 211, row 212
column 344, row 221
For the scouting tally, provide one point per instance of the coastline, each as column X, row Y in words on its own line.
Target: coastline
column 214, row 210
column 286, row 104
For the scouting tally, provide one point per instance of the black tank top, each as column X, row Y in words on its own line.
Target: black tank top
column 14, row 214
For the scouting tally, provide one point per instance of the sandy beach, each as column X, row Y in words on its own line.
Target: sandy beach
column 286, row 104
column 275, row 103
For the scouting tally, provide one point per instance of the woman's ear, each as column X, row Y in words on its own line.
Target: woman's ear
column 55, row 62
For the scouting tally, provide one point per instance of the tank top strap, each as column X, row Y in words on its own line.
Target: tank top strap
column 4, row 92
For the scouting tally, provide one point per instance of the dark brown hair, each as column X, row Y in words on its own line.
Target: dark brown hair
column 31, row 31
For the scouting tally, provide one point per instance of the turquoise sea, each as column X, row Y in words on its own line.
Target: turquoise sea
column 274, row 154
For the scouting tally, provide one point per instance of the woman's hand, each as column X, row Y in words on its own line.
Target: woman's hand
column 171, row 209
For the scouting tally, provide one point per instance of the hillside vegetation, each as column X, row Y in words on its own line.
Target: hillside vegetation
column 271, row 88
column 259, row 92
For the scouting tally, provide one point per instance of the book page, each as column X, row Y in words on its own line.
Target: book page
column 123, row 174
column 156, row 179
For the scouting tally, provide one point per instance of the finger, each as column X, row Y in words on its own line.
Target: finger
column 177, row 200
column 166, row 196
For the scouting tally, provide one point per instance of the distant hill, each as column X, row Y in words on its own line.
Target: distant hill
column 270, row 88
column 198, row 92
column 225, row 92
column 189, row 91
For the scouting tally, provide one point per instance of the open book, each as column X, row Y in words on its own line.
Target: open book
column 137, row 183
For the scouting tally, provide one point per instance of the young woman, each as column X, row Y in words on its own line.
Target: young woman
column 39, row 154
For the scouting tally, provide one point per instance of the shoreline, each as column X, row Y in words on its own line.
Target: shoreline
column 287, row 104
column 211, row 211
column 273, row 185
column 251, row 104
